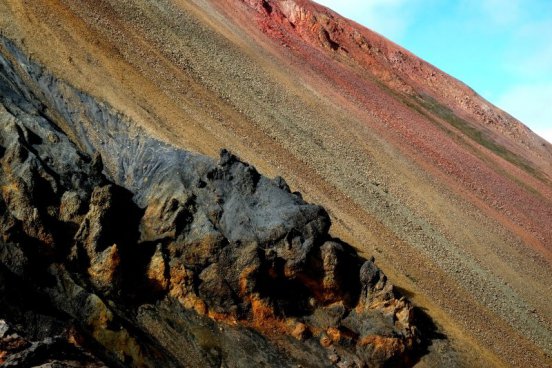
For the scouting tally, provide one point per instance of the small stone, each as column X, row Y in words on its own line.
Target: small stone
column 334, row 334
column 325, row 341
column 334, row 358
column 301, row 331
column 70, row 207
column 52, row 138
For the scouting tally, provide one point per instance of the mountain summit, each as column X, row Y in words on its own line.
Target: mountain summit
column 145, row 220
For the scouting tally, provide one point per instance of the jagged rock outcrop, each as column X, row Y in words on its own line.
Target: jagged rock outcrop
column 140, row 254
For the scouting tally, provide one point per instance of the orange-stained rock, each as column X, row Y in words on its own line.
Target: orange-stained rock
column 300, row 331
column 380, row 347
column 334, row 334
column 261, row 310
column 157, row 270
column 104, row 267
column 325, row 340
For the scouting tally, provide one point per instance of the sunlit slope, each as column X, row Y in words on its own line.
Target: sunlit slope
column 451, row 195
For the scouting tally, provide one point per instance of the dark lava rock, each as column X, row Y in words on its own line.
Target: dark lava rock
column 128, row 251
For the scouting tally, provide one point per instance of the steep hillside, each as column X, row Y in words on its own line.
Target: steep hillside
column 124, row 260
column 450, row 194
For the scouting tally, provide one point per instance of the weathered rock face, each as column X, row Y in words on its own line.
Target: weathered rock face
column 127, row 251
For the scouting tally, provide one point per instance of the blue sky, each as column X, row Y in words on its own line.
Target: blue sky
column 500, row 48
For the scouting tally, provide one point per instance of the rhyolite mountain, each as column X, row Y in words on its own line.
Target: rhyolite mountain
column 144, row 220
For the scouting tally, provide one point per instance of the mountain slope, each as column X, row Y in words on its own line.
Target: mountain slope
column 161, row 257
column 452, row 195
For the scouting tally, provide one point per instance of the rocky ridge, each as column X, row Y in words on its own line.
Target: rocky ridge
column 391, row 64
column 119, row 249
column 309, row 28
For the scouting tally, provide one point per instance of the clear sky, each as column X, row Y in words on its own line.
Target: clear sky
column 500, row 48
